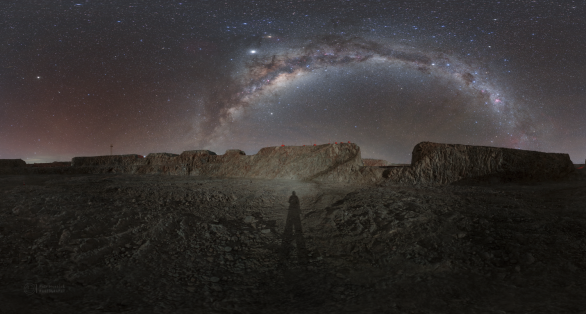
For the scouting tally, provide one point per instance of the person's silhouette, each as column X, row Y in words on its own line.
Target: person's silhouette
column 294, row 223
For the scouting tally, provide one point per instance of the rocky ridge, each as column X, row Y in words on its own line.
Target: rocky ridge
column 432, row 164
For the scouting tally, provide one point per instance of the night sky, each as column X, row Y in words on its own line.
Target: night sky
column 170, row 76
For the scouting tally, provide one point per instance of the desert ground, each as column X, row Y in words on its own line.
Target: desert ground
column 112, row 243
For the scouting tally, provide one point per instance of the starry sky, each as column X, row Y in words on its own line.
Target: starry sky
column 169, row 76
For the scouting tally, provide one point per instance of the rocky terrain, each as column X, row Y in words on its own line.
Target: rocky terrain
column 110, row 243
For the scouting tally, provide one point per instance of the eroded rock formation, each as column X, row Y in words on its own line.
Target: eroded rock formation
column 447, row 163
column 331, row 162
column 432, row 163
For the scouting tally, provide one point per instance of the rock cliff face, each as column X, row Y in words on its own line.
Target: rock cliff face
column 434, row 163
column 330, row 162
column 12, row 163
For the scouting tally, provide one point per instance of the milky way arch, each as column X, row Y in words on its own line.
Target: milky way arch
column 267, row 72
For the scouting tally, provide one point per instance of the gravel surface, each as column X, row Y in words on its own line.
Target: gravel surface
column 171, row 244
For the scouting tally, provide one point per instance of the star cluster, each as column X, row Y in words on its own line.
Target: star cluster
column 169, row 76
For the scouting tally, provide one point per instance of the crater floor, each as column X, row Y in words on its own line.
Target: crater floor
column 175, row 244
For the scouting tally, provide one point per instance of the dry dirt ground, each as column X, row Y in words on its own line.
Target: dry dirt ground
column 167, row 244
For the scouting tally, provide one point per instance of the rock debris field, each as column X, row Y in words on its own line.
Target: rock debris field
column 111, row 243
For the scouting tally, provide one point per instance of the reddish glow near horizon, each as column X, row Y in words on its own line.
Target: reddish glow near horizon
column 384, row 87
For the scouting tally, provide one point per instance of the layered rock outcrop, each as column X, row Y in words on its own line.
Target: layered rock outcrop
column 434, row 163
column 431, row 163
column 329, row 162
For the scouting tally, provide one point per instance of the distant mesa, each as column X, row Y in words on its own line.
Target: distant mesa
column 432, row 163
